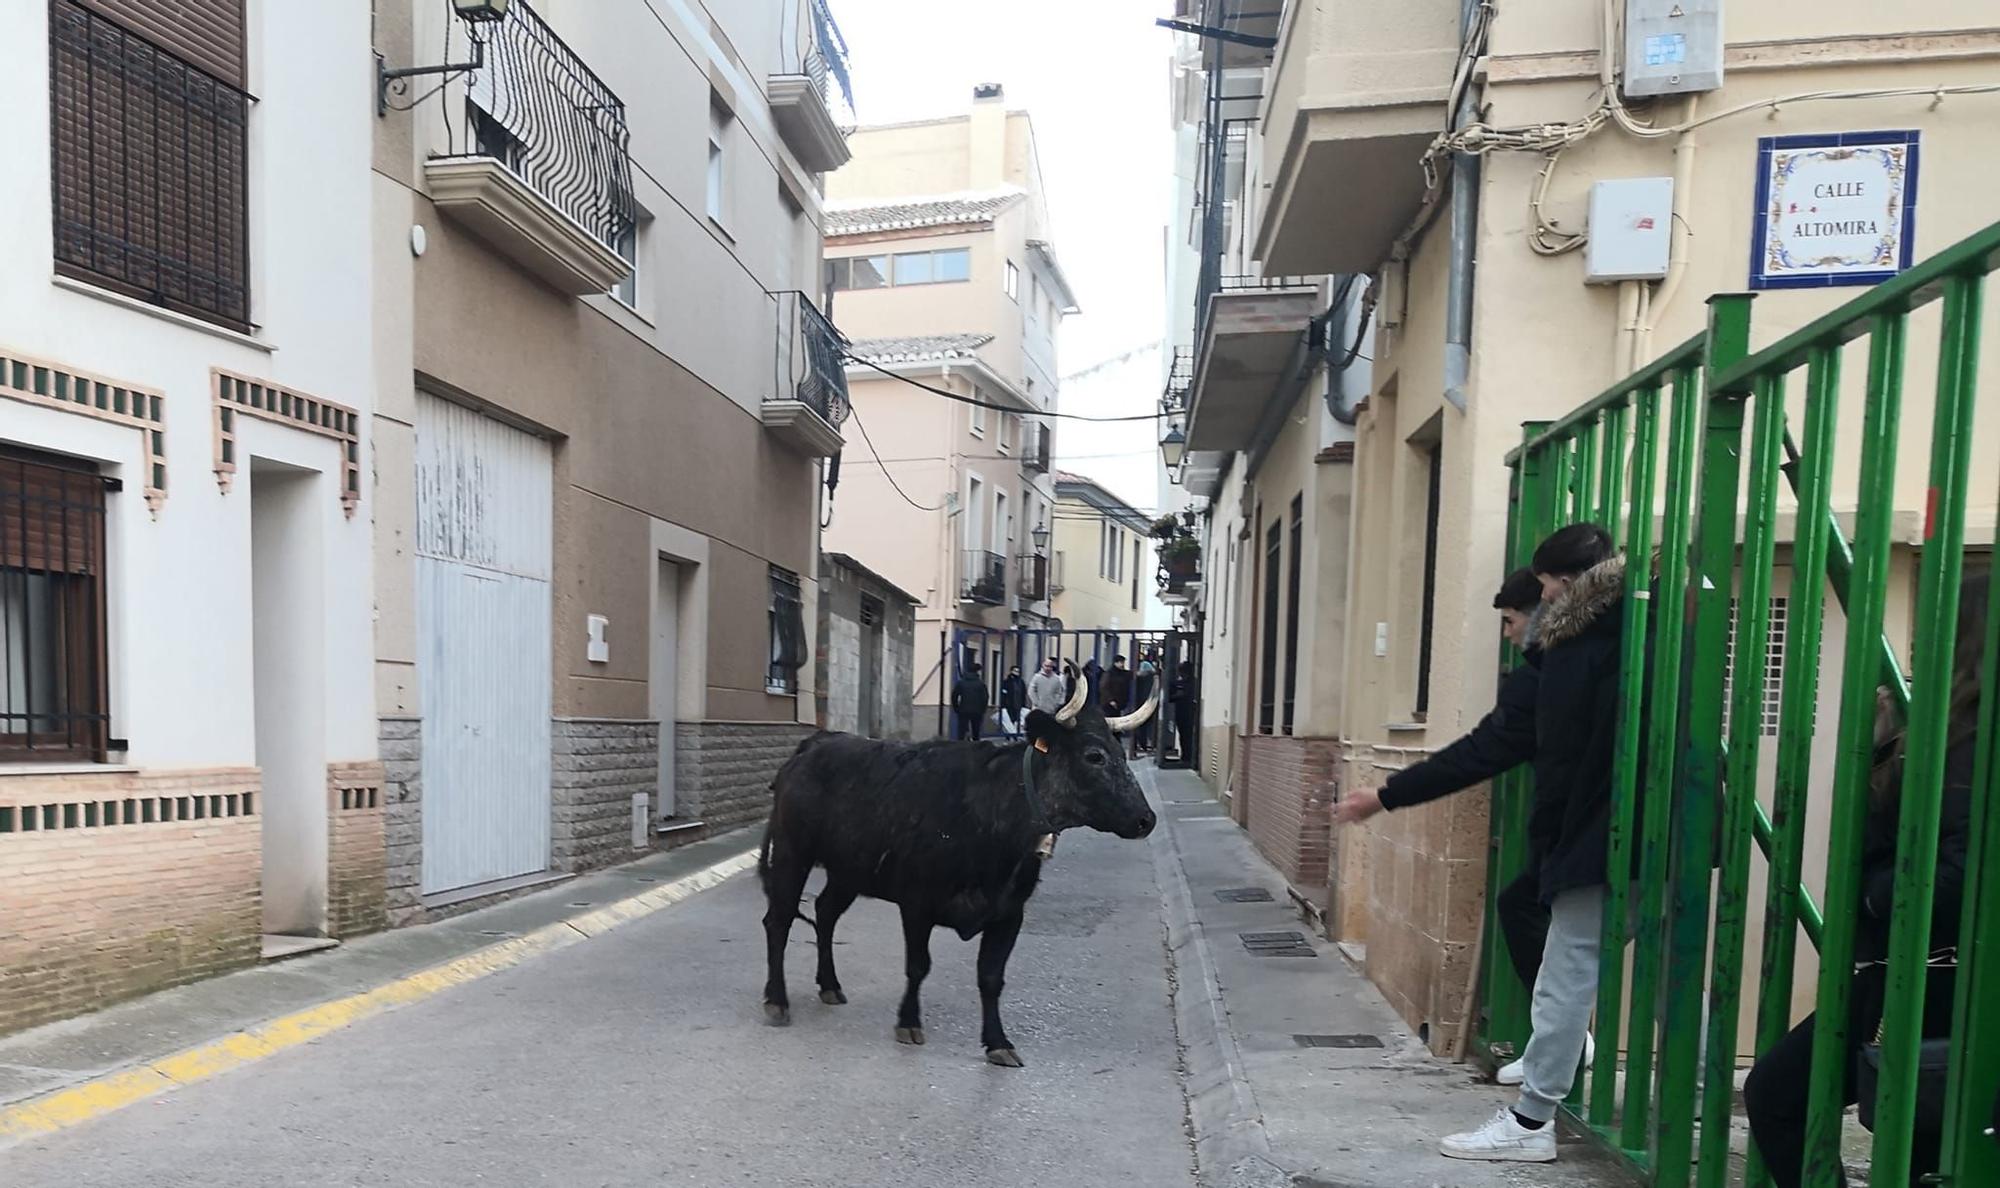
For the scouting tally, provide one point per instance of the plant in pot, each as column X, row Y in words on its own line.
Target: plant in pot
column 1180, row 561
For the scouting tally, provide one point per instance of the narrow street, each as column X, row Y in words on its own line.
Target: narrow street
column 642, row 1057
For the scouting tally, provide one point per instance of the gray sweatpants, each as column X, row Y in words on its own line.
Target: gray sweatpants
column 1565, row 996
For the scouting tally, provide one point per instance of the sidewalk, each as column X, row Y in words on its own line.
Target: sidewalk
column 149, row 1031
column 1268, row 1112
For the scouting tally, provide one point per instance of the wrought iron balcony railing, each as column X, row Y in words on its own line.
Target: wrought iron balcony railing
column 984, row 577
column 812, row 359
column 1035, row 457
column 149, row 160
column 826, row 62
column 537, row 109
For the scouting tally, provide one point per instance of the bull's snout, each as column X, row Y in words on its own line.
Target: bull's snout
column 1143, row 825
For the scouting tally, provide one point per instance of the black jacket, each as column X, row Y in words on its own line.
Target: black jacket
column 1581, row 635
column 1117, row 690
column 1878, row 863
column 968, row 696
column 1503, row 740
column 1013, row 694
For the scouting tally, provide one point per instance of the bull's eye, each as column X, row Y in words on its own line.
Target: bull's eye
column 1094, row 758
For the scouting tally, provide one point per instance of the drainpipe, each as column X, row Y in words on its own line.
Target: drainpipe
column 1464, row 229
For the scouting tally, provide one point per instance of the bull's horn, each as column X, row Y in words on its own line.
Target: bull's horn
column 1069, row 712
column 1137, row 717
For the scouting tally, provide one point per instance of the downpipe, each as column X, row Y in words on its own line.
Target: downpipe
column 1464, row 231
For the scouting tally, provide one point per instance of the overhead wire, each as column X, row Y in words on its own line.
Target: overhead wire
column 854, row 414
column 1006, row 408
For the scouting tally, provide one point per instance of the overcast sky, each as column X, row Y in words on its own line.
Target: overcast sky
column 1093, row 76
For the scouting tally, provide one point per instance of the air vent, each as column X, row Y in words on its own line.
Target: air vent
column 1277, row 944
column 1338, row 1041
column 1245, row 895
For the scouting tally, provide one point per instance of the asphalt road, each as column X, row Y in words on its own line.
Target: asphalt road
column 642, row 1058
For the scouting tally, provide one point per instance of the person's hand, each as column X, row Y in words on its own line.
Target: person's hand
column 1357, row 806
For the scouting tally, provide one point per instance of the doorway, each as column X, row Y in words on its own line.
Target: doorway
column 288, row 659
column 870, row 693
column 664, row 680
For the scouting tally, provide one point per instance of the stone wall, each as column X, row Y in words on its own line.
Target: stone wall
column 723, row 770
column 597, row 767
column 401, row 742
column 1421, row 894
column 840, row 649
column 116, row 884
column 355, row 856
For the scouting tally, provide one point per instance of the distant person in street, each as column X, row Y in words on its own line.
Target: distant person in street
column 1774, row 1097
column 1183, row 696
column 1116, row 688
column 1503, row 740
column 1580, row 632
column 1094, row 672
column 968, row 702
column 1013, row 702
column 1047, row 691
column 1142, row 739
column 1069, row 680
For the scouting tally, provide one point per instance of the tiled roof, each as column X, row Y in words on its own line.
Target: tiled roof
column 924, row 348
column 929, row 210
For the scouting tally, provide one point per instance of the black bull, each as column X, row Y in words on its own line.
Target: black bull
column 948, row 831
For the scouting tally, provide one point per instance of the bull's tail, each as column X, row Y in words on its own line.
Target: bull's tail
column 764, row 855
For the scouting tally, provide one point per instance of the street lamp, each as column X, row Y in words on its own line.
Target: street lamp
column 472, row 12
column 1173, row 447
column 1040, row 534
column 481, row 10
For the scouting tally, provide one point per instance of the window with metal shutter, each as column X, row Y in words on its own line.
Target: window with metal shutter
column 207, row 34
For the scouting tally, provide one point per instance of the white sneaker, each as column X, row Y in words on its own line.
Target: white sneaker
column 1512, row 1073
column 1503, row 1140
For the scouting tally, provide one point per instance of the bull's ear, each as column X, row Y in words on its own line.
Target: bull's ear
column 1043, row 729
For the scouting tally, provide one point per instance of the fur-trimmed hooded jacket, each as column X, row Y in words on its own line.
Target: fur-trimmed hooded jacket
column 1580, row 634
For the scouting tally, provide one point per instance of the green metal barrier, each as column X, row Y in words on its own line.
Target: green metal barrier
column 1664, row 451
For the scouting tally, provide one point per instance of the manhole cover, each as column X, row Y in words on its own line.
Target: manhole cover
column 1337, row 1041
column 1277, row 944
column 1244, row 895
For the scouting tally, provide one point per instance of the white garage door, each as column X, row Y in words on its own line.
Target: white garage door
column 484, row 538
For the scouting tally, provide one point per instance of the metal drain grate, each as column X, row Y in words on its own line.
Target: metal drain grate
column 1244, row 895
column 1277, row 944
column 1338, row 1041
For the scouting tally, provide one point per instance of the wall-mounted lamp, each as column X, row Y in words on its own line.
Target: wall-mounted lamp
column 472, row 12
column 1173, row 447
column 1040, row 535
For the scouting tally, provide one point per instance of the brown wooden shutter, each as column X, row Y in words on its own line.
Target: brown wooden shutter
column 206, row 33
column 51, row 518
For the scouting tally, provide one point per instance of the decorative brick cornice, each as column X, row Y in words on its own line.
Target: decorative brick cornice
column 242, row 396
column 54, row 385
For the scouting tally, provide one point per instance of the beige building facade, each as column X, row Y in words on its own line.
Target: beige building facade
column 1103, row 559
column 1523, row 322
column 607, row 393
column 941, row 273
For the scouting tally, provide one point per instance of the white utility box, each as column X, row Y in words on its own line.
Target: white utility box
column 1631, row 230
column 1672, row 47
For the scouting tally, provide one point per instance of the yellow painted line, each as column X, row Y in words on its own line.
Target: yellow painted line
column 76, row 1104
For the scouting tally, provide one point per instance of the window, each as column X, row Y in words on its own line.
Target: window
column 627, row 245
column 1008, row 431
column 1267, row 699
column 1104, row 549
column 1013, row 281
column 1774, row 667
column 718, row 166
column 1035, row 298
column 149, row 155
column 1428, row 620
column 975, row 490
column 978, row 414
column 1003, row 528
column 1138, row 563
column 904, row 268
column 53, row 704
column 788, row 633
column 1292, row 613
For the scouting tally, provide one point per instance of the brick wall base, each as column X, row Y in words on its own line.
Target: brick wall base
column 356, row 877
column 117, row 884
column 723, row 770
column 1420, row 895
column 1285, row 797
column 597, row 767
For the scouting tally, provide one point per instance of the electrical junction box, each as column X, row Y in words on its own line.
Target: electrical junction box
column 1672, row 47
column 1631, row 230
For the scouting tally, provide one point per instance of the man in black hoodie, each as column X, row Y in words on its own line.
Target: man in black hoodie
column 968, row 702
column 1503, row 740
column 1580, row 633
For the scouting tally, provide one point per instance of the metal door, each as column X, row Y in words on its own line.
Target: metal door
column 484, row 538
column 870, row 696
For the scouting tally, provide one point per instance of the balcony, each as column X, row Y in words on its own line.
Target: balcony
column 1180, row 572
column 1357, row 92
column 1034, row 570
column 547, row 181
column 1035, row 454
column 813, row 104
column 1252, row 330
column 983, row 578
column 809, row 404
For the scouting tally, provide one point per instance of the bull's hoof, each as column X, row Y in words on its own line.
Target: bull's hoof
column 910, row 1035
column 833, row 998
column 778, row 1014
column 1004, row 1057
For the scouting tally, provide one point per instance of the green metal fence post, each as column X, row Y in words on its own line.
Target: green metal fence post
column 1798, row 713
column 1662, row 711
column 1746, row 730
column 1932, row 668
column 1637, row 540
column 1867, row 597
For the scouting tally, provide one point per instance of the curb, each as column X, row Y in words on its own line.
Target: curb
column 73, row 1105
column 1231, row 1147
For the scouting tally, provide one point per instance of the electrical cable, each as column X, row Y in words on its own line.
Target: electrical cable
column 1006, row 408
column 854, row 414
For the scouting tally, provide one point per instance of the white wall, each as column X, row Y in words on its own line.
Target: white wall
column 179, row 625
